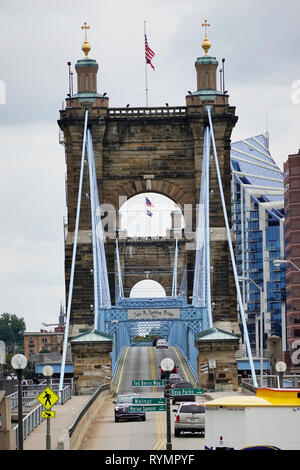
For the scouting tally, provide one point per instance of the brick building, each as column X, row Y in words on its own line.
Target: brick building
column 292, row 254
column 35, row 342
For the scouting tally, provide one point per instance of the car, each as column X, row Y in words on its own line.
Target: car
column 124, row 400
column 162, row 343
column 173, row 379
column 180, row 398
column 190, row 417
column 154, row 341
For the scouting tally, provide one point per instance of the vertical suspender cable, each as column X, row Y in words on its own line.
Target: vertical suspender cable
column 207, row 229
column 242, row 312
column 92, row 201
column 121, row 290
column 65, row 345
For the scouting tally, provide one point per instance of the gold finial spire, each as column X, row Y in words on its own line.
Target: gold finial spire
column 86, row 47
column 206, row 44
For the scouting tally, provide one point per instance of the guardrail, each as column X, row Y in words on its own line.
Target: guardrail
column 147, row 112
column 272, row 381
column 34, row 417
column 30, row 422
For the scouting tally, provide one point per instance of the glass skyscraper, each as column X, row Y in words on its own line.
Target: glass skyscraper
column 258, row 226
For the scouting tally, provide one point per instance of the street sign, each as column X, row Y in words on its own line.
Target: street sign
column 186, row 391
column 48, row 414
column 149, row 401
column 149, row 408
column 48, row 398
column 212, row 363
column 148, row 383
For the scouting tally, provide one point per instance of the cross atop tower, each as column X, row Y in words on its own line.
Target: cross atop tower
column 85, row 27
column 205, row 25
column 206, row 43
column 86, row 47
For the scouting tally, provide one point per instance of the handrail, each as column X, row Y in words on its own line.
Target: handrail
column 30, row 422
column 145, row 112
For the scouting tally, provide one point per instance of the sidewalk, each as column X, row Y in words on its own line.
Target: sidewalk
column 64, row 417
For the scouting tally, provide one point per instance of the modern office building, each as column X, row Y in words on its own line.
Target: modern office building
column 258, row 225
column 292, row 257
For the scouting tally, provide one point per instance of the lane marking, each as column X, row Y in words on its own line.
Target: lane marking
column 159, row 421
column 182, row 365
column 152, row 366
column 121, row 372
column 158, row 432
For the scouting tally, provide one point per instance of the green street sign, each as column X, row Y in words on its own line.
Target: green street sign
column 149, row 408
column 148, row 383
column 149, row 401
column 186, row 391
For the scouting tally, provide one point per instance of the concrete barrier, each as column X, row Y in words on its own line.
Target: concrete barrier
column 71, row 438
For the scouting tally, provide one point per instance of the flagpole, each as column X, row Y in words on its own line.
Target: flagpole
column 146, row 76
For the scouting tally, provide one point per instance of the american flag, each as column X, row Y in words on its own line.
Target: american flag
column 149, row 213
column 149, row 54
column 149, row 203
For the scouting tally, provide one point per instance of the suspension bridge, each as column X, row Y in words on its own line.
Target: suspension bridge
column 173, row 316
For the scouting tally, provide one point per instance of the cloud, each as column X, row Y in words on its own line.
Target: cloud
column 259, row 41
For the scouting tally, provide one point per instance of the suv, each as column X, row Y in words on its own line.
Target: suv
column 183, row 397
column 190, row 417
column 121, row 407
column 161, row 343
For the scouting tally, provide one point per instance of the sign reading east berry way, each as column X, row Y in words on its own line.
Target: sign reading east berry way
column 148, row 383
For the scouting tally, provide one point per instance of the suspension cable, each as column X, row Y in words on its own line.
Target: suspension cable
column 70, row 294
column 242, row 312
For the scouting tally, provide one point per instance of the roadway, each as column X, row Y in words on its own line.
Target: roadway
column 105, row 434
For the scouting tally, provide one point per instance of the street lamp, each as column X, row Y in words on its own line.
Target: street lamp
column 277, row 262
column 19, row 362
column 48, row 372
column 167, row 365
column 261, row 325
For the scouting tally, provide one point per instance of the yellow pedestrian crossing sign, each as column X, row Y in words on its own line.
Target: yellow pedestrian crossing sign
column 48, row 414
column 48, row 398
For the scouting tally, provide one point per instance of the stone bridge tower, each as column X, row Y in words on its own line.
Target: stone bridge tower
column 141, row 150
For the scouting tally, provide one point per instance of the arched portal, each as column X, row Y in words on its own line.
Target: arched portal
column 147, row 288
column 150, row 215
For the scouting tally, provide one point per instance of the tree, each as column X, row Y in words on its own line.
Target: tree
column 12, row 330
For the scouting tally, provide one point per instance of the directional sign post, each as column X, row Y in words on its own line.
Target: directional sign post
column 148, row 383
column 144, row 408
column 186, row 391
column 149, row 401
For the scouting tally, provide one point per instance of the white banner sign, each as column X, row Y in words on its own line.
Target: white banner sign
column 154, row 314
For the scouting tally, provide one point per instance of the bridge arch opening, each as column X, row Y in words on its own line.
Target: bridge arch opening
column 150, row 214
column 147, row 288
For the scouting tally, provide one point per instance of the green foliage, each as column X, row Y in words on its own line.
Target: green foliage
column 12, row 330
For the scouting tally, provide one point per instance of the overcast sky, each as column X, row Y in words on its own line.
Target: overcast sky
column 259, row 40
